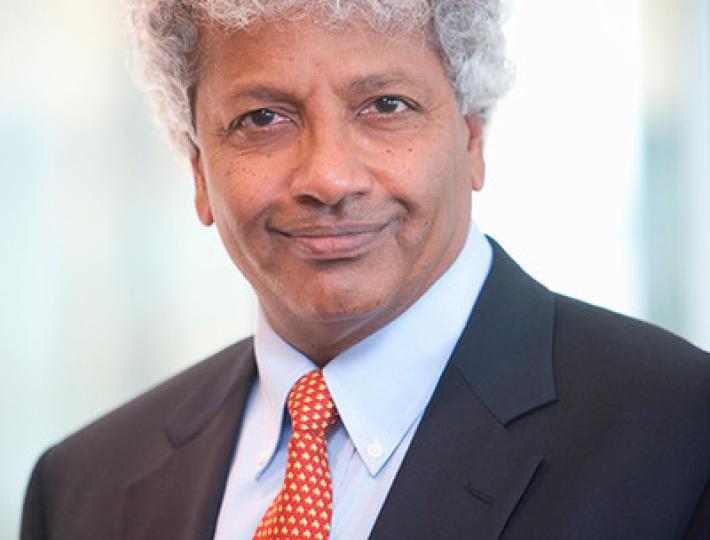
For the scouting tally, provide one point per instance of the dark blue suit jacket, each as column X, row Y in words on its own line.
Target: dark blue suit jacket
column 552, row 420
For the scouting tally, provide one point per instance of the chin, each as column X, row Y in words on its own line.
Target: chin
column 341, row 307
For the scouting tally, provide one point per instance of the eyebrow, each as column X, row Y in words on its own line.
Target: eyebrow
column 263, row 93
column 367, row 84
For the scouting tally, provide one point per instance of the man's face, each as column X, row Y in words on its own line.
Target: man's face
column 338, row 170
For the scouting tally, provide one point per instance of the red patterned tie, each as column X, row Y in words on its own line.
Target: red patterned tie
column 303, row 508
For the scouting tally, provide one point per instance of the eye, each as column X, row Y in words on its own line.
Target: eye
column 262, row 117
column 259, row 118
column 387, row 105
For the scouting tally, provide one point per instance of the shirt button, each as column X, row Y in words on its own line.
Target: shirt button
column 374, row 450
column 263, row 456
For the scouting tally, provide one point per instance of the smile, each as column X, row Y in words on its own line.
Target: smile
column 335, row 242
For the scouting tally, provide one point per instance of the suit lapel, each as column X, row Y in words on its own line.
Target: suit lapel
column 465, row 472
column 179, row 494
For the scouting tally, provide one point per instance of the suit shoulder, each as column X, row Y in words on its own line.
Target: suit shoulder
column 604, row 328
column 75, row 483
column 616, row 350
column 142, row 420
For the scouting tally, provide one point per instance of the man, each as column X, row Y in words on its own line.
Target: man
column 434, row 390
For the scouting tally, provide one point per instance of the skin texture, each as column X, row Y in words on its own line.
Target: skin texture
column 338, row 170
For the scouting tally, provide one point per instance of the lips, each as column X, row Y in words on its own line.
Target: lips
column 334, row 242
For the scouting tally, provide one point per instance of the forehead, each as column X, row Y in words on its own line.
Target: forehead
column 295, row 53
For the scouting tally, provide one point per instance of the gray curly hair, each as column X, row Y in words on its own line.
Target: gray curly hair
column 165, row 36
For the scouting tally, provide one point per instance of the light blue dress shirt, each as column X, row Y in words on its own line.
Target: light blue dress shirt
column 380, row 387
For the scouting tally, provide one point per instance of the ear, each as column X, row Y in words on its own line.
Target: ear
column 202, row 202
column 477, row 166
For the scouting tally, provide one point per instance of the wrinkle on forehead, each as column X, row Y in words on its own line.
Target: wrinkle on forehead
column 210, row 33
column 213, row 42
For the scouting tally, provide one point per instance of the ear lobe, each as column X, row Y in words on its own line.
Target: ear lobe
column 474, row 150
column 202, row 203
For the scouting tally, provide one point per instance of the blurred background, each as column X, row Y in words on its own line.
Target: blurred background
column 598, row 183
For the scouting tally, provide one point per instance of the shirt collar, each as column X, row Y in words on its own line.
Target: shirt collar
column 382, row 384
column 279, row 366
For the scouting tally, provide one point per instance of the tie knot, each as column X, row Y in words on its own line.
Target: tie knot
column 310, row 405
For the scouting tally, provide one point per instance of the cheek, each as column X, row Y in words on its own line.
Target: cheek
column 238, row 189
column 428, row 178
column 236, row 204
column 441, row 196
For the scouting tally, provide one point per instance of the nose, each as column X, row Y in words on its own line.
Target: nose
column 330, row 169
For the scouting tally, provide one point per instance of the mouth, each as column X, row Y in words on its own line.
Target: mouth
column 334, row 242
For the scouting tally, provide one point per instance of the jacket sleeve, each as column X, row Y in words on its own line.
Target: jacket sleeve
column 699, row 528
column 34, row 525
